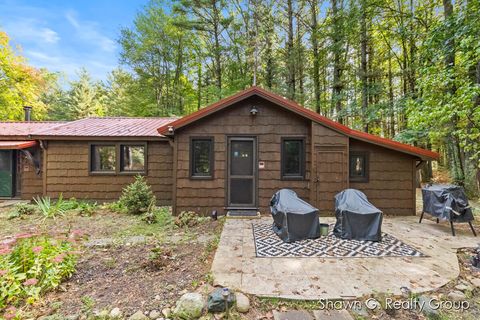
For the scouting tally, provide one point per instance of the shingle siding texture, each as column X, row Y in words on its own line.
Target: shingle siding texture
column 68, row 173
column 269, row 125
column 391, row 179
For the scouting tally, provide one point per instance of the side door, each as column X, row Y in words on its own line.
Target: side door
column 330, row 178
column 7, row 169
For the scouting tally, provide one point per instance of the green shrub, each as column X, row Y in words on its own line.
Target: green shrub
column 137, row 196
column 22, row 209
column 31, row 264
column 164, row 216
column 86, row 209
column 188, row 219
column 114, row 207
column 52, row 209
column 70, row 204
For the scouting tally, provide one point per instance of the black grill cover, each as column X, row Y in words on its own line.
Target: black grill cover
column 447, row 202
column 293, row 218
column 357, row 218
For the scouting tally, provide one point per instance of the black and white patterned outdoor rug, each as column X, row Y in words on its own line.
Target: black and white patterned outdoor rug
column 268, row 245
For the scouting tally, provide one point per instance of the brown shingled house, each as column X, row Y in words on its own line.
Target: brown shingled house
column 232, row 155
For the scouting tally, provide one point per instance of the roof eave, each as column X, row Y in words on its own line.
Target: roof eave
column 99, row 138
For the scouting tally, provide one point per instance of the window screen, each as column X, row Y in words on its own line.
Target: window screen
column 293, row 158
column 201, row 157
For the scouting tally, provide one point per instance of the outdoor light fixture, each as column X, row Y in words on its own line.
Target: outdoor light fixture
column 254, row 111
column 170, row 130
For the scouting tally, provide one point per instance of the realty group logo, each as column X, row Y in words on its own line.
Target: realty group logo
column 390, row 303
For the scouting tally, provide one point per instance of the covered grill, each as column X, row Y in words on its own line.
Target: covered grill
column 447, row 202
column 293, row 218
column 357, row 218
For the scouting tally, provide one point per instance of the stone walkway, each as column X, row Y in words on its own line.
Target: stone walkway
column 11, row 202
column 236, row 266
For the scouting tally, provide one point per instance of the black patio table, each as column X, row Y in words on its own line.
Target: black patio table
column 447, row 202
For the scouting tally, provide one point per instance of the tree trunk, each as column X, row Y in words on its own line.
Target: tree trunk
column 316, row 62
column 290, row 58
column 364, row 63
column 391, row 102
column 456, row 151
column 218, row 52
column 199, row 84
column 269, row 62
column 337, row 86
column 299, row 64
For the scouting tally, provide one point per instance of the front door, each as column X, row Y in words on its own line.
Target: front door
column 7, row 173
column 242, row 182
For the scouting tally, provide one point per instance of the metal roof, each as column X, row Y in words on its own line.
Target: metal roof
column 25, row 128
column 300, row 110
column 106, row 127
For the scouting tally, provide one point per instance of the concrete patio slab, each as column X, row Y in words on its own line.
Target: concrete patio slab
column 332, row 315
column 292, row 315
column 236, row 265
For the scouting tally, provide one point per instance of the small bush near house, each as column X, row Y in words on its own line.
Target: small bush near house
column 50, row 208
column 159, row 258
column 83, row 208
column 22, row 209
column 188, row 219
column 31, row 264
column 137, row 196
column 70, row 204
column 150, row 216
column 86, row 209
column 114, row 207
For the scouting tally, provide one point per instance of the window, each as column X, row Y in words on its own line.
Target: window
column 132, row 158
column 103, row 158
column 293, row 158
column 118, row 158
column 358, row 166
column 201, row 158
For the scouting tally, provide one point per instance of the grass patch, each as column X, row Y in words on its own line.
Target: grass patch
column 163, row 224
column 267, row 304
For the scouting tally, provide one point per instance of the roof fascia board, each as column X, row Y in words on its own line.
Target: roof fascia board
column 99, row 138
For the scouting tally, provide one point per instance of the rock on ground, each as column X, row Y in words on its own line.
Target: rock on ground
column 463, row 287
column 115, row 313
column 360, row 311
column 138, row 316
column 166, row 312
column 243, row 303
column 475, row 282
column 456, row 296
column 154, row 314
column 427, row 309
column 189, row 306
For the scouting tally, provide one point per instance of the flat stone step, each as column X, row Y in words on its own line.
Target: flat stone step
column 292, row 315
column 245, row 214
column 332, row 315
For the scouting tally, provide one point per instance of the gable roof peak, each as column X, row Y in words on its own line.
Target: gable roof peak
column 300, row 110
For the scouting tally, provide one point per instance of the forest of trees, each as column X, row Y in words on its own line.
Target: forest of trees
column 403, row 69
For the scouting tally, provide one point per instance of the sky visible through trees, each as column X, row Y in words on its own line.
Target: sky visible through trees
column 403, row 69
